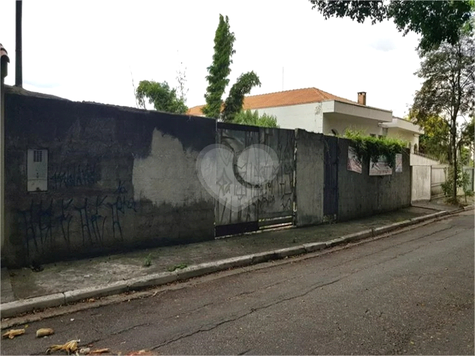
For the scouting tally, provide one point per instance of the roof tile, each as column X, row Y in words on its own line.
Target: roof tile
column 281, row 98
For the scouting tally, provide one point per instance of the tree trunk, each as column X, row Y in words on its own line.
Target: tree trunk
column 454, row 160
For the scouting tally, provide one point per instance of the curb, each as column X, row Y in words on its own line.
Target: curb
column 12, row 309
column 468, row 207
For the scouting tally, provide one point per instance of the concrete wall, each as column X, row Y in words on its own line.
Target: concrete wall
column 364, row 195
column 309, row 178
column 418, row 160
column 117, row 178
column 421, row 183
column 437, row 178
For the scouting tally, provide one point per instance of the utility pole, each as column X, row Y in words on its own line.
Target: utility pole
column 3, row 73
column 18, row 58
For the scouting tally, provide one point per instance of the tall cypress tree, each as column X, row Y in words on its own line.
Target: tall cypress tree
column 220, row 68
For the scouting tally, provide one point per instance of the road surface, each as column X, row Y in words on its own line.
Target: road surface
column 411, row 293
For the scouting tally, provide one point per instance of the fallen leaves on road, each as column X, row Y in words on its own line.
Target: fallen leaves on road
column 99, row 351
column 69, row 347
column 13, row 332
column 84, row 351
column 44, row 332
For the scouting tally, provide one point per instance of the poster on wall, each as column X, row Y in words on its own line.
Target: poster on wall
column 353, row 164
column 380, row 167
column 398, row 163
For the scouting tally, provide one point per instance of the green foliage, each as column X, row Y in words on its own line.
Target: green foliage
column 161, row 96
column 218, row 74
column 467, row 135
column 182, row 265
column 461, row 181
column 447, row 91
column 233, row 103
column 252, row 118
column 148, row 260
column 465, row 156
column 220, row 68
column 435, row 21
column 436, row 138
column 371, row 148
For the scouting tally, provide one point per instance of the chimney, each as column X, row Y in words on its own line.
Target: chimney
column 362, row 98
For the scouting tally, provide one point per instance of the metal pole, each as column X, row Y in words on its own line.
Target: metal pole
column 19, row 64
column 3, row 73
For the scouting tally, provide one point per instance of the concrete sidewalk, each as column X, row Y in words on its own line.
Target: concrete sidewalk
column 24, row 290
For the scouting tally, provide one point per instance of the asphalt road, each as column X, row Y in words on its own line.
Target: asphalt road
column 411, row 293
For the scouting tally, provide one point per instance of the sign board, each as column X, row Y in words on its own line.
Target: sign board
column 398, row 163
column 380, row 167
column 353, row 164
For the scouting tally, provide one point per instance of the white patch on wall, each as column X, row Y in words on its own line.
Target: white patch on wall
column 37, row 170
column 168, row 174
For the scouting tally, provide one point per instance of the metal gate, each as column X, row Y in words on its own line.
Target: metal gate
column 330, row 190
column 255, row 170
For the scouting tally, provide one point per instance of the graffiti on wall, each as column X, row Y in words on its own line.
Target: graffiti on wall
column 74, row 176
column 94, row 218
column 250, row 174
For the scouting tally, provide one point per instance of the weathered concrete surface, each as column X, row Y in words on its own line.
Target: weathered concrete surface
column 309, row 178
column 363, row 195
column 408, row 294
column 118, row 178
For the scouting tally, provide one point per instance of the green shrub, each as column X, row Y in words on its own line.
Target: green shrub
column 371, row 148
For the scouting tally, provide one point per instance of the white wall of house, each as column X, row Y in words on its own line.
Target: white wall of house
column 338, row 116
column 340, row 123
column 408, row 136
column 356, row 110
column 302, row 116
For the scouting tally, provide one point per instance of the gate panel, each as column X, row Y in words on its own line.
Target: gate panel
column 276, row 199
column 255, row 170
column 235, row 208
column 330, row 190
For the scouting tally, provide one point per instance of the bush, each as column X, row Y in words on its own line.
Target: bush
column 463, row 179
column 371, row 148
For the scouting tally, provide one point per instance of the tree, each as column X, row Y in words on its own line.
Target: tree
column 161, row 96
column 248, row 117
column 220, row 68
column 218, row 74
column 448, row 90
column 233, row 104
column 435, row 21
column 467, row 139
column 436, row 137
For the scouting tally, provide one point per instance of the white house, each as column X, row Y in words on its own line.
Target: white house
column 317, row 111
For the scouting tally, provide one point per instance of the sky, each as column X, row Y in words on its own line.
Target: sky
column 99, row 50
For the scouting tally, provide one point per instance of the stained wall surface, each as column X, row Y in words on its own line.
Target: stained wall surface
column 116, row 178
